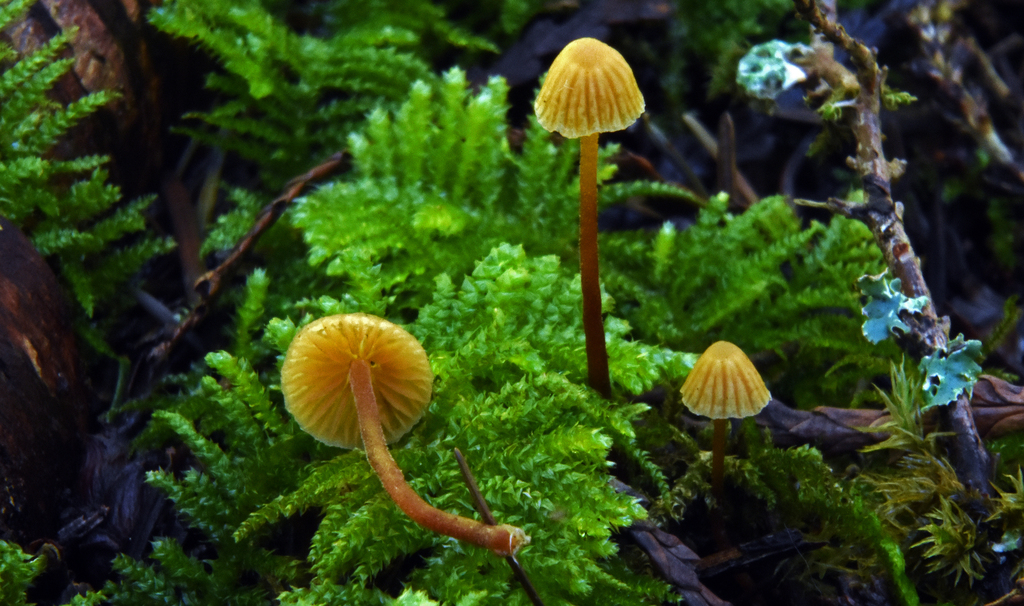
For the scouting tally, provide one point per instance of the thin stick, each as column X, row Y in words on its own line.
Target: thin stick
column 662, row 142
column 485, row 513
column 503, row 540
column 593, row 325
column 726, row 160
column 208, row 285
column 743, row 188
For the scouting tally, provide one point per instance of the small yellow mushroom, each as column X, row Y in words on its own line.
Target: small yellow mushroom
column 723, row 384
column 355, row 378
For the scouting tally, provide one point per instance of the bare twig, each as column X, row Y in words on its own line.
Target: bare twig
column 208, row 286
column 485, row 513
column 1014, row 598
column 675, row 562
column 186, row 232
column 711, row 145
column 939, row 43
column 726, row 159
column 661, row 142
column 928, row 333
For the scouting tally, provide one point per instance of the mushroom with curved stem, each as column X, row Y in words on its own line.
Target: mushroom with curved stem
column 355, row 378
column 723, row 384
column 589, row 89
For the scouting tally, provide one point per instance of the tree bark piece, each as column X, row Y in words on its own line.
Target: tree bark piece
column 675, row 562
column 110, row 53
column 996, row 409
column 43, row 405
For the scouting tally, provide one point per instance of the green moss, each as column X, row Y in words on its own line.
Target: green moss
column 17, row 571
column 442, row 226
column 75, row 226
column 760, row 280
column 538, row 441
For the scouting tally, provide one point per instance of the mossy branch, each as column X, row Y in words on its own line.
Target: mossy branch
column 928, row 333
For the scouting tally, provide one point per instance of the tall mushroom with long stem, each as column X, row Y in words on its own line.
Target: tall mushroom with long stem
column 356, row 377
column 589, row 89
column 723, row 384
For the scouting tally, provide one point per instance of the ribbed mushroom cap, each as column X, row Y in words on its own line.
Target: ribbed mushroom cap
column 315, row 383
column 589, row 89
column 724, row 384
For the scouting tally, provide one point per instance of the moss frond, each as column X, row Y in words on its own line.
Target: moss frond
column 758, row 279
column 76, row 226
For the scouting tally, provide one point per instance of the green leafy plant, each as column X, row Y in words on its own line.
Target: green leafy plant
column 507, row 348
column 758, row 280
column 952, row 536
column 840, row 511
column 435, row 186
column 290, row 99
column 444, row 226
column 945, row 547
column 1009, row 514
column 506, row 343
column 76, row 225
column 17, row 571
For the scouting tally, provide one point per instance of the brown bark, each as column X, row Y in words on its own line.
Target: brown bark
column 110, row 54
column 42, row 401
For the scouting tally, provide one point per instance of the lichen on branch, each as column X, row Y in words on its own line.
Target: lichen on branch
column 928, row 333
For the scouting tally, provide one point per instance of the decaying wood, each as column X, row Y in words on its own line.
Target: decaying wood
column 832, row 430
column 43, row 404
column 675, row 562
column 110, row 53
column 996, row 408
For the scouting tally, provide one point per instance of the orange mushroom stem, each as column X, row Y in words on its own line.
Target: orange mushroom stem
column 503, row 539
column 356, row 377
column 590, row 282
column 721, row 428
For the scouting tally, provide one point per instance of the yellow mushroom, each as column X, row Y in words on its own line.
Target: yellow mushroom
column 589, row 89
column 356, row 378
column 723, row 384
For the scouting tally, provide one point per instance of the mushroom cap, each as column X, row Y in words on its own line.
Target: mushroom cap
column 589, row 89
column 724, row 384
column 315, row 379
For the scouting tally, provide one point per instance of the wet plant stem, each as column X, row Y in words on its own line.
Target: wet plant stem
column 593, row 325
column 503, row 540
column 485, row 513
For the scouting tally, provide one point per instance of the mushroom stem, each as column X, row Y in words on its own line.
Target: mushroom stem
column 503, row 540
column 718, row 459
column 593, row 325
